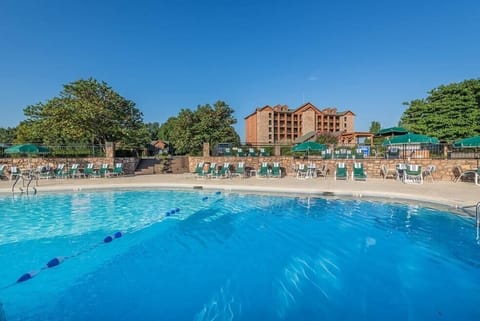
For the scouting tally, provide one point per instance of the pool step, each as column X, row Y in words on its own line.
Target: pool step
column 175, row 165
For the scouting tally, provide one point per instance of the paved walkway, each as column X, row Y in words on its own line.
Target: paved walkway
column 461, row 196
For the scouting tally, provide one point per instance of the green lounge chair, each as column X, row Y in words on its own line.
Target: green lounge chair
column 199, row 169
column 413, row 174
column 60, row 172
column 74, row 171
column 212, row 169
column 263, row 152
column 117, row 170
column 223, row 172
column 276, row 170
column 252, row 152
column 302, row 171
column 263, row 171
column 240, row 170
column 358, row 173
column 327, row 154
column 227, row 152
column 89, row 171
column 359, row 153
column 341, row 172
column 104, row 171
column 202, row 169
column 240, row 152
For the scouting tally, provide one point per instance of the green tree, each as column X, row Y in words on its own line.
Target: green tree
column 7, row 135
column 327, row 138
column 375, row 127
column 167, row 129
column 86, row 111
column 448, row 113
column 190, row 129
column 153, row 130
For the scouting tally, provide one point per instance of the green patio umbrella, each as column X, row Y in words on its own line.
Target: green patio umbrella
column 391, row 131
column 470, row 142
column 411, row 138
column 308, row 146
column 29, row 149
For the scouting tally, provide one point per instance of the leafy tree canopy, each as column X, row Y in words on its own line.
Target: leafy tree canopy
column 7, row 135
column 375, row 127
column 190, row 129
column 86, row 111
column 327, row 138
column 153, row 130
column 448, row 113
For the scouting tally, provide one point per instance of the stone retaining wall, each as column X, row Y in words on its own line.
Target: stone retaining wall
column 372, row 166
column 129, row 163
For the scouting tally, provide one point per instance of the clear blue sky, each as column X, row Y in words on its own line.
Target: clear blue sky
column 365, row 56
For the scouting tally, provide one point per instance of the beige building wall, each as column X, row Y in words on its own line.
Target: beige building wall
column 263, row 118
column 349, row 120
column 280, row 124
column 308, row 121
column 251, row 128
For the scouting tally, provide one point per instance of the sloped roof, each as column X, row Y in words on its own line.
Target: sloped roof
column 305, row 137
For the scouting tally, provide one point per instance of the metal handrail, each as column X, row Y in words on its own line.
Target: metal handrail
column 31, row 178
column 15, row 183
column 477, row 216
column 477, row 220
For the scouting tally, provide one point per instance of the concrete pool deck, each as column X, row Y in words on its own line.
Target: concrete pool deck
column 462, row 195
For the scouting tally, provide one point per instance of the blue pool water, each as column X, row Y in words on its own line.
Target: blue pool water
column 234, row 257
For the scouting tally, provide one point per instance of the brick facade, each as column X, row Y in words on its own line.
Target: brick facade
column 279, row 124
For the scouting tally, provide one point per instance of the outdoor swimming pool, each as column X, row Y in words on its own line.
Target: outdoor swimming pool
column 231, row 256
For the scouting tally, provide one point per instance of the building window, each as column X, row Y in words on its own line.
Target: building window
column 345, row 125
column 270, row 122
column 269, row 129
column 269, row 115
column 345, row 118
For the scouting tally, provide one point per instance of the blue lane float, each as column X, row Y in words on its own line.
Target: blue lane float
column 27, row 276
column 110, row 238
column 55, row 261
column 59, row 259
column 172, row 211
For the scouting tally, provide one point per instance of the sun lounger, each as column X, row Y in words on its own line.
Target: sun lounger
column 358, row 172
column 341, row 172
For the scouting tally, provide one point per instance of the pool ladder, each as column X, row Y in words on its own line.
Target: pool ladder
column 30, row 179
column 477, row 220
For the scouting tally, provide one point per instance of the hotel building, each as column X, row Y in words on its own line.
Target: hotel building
column 279, row 124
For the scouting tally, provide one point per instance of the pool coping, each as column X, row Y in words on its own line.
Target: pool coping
column 457, row 197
